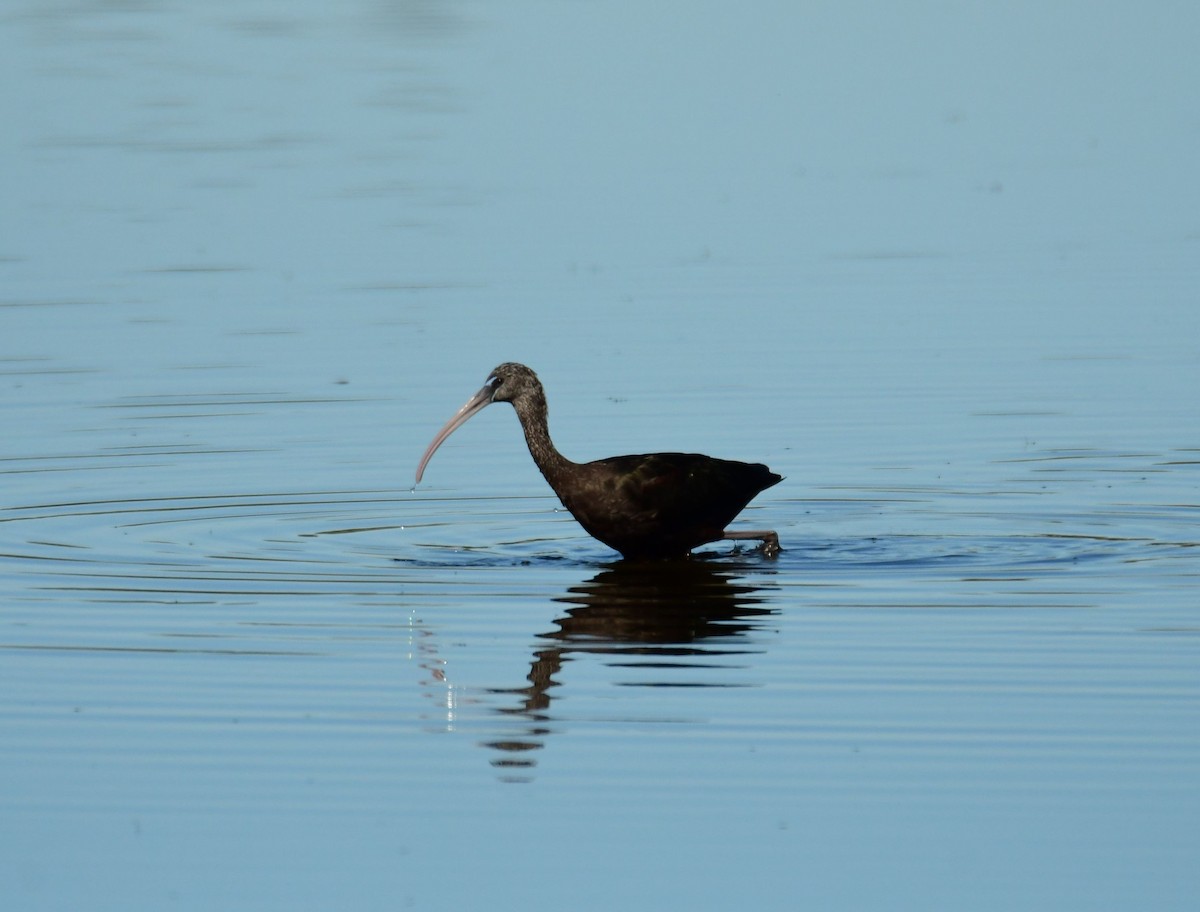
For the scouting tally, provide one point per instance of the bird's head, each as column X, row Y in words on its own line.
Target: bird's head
column 509, row 382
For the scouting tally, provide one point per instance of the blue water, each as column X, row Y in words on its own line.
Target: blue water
column 937, row 267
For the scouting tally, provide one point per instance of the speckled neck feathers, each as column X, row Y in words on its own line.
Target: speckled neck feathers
column 532, row 412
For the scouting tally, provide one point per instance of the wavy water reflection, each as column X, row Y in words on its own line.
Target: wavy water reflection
column 677, row 623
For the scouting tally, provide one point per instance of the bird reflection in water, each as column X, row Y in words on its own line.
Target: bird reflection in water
column 654, row 615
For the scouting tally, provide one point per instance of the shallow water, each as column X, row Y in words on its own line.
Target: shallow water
column 254, row 258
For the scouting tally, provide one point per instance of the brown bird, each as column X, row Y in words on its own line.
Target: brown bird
column 659, row 505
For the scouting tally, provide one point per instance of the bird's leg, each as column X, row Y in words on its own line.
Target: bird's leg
column 770, row 540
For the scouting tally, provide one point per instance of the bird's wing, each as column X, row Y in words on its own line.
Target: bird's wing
column 678, row 485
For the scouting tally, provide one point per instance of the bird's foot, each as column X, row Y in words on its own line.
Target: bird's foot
column 770, row 540
column 770, row 546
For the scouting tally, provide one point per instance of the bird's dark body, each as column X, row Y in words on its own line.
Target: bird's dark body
column 660, row 505
column 656, row 505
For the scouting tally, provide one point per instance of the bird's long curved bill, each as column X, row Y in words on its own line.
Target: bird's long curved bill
column 474, row 404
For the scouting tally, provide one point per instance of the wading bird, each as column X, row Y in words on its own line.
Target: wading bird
column 653, row 506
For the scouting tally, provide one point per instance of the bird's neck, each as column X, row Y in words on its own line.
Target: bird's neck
column 533, row 415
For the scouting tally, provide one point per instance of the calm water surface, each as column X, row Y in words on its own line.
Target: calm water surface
column 938, row 268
